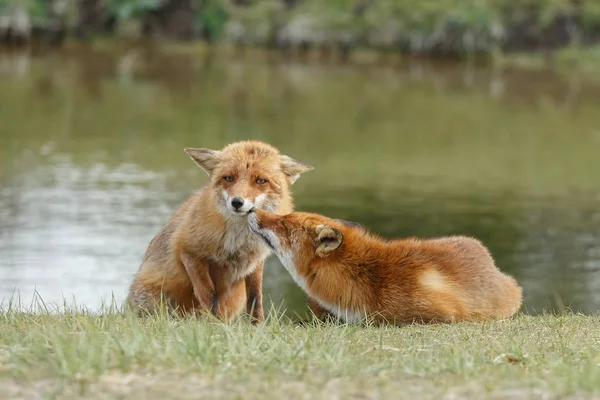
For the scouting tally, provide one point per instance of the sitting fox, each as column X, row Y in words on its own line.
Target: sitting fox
column 353, row 274
column 206, row 259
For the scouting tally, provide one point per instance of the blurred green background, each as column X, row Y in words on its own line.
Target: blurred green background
column 98, row 98
column 92, row 162
column 433, row 27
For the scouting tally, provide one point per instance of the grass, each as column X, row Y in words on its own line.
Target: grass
column 80, row 354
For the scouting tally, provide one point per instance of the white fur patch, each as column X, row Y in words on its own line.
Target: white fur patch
column 253, row 223
column 287, row 260
column 434, row 280
column 347, row 315
column 237, row 234
column 239, row 274
column 260, row 200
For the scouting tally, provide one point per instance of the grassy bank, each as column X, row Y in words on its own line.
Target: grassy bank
column 81, row 355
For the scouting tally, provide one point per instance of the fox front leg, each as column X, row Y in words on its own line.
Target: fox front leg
column 254, row 305
column 204, row 288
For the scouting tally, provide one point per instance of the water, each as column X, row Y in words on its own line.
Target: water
column 92, row 162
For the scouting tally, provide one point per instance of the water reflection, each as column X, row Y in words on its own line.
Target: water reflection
column 91, row 162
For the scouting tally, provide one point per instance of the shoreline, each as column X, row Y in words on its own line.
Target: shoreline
column 580, row 61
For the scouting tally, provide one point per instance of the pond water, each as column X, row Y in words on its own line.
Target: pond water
column 92, row 162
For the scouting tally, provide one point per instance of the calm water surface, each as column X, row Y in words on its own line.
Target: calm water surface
column 92, row 162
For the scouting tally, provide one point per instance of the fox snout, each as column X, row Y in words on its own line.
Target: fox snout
column 260, row 223
column 253, row 220
column 259, row 218
column 237, row 203
column 241, row 205
column 268, row 237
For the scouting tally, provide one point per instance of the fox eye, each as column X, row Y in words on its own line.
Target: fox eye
column 283, row 224
column 228, row 178
column 261, row 181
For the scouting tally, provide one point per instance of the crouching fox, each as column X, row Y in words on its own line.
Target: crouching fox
column 353, row 274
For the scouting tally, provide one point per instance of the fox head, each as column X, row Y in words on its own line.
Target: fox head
column 299, row 239
column 248, row 175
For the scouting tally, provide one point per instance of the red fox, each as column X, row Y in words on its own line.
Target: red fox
column 353, row 274
column 206, row 259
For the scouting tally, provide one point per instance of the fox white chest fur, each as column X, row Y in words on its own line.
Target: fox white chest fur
column 287, row 259
column 242, row 251
column 238, row 238
column 340, row 312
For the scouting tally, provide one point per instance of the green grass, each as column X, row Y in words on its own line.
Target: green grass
column 79, row 354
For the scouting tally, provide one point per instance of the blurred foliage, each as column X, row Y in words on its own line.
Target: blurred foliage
column 35, row 8
column 591, row 13
column 127, row 9
column 212, row 18
column 471, row 25
column 431, row 23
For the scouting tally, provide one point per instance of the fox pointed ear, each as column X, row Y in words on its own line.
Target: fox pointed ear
column 328, row 239
column 293, row 168
column 205, row 158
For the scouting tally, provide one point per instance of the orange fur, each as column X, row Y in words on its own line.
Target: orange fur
column 353, row 274
column 205, row 259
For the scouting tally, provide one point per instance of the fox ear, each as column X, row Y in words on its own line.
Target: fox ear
column 293, row 168
column 328, row 239
column 205, row 158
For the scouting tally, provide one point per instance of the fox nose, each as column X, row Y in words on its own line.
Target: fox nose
column 237, row 202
